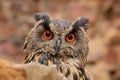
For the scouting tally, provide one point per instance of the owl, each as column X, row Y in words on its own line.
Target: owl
column 59, row 42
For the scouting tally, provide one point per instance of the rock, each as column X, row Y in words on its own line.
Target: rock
column 31, row 71
column 8, row 72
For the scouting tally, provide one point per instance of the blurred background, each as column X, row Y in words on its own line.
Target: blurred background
column 16, row 20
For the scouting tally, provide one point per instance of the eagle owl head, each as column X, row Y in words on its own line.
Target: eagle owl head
column 57, row 39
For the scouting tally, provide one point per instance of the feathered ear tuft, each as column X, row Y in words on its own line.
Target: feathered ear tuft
column 41, row 16
column 80, row 22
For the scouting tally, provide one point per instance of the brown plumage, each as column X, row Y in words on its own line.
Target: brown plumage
column 60, row 42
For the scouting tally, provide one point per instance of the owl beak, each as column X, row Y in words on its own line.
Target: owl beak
column 57, row 45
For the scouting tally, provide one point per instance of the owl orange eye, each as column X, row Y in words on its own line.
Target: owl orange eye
column 47, row 35
column 70, row 38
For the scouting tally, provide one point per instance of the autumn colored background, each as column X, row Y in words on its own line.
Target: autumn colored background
column 16, row 19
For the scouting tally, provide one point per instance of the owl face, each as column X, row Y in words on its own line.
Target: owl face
column 58, row 38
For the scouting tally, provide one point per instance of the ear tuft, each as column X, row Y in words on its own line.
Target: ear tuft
column 80, row 22
column 41, row 16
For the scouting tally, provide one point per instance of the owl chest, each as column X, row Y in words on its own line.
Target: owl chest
column 67, row 68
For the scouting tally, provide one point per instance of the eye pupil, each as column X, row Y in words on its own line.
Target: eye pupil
column 48, row 34
column 70, row 37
